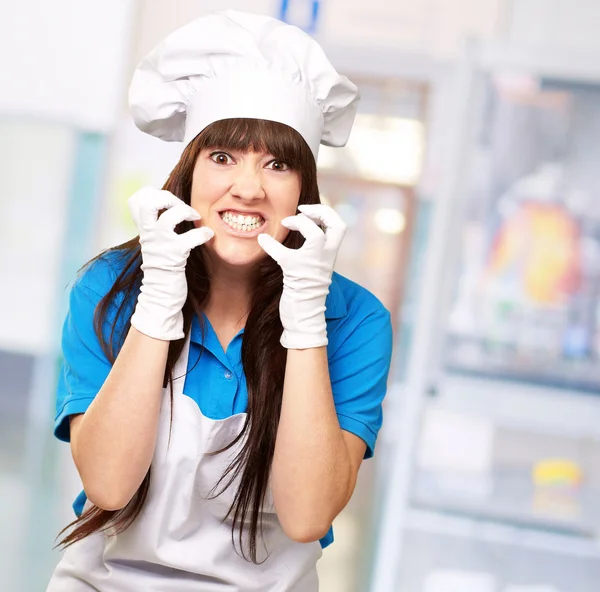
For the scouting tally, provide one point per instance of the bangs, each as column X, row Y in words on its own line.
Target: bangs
column 257, row 135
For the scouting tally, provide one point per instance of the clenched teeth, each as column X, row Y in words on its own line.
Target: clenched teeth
column 240, row 222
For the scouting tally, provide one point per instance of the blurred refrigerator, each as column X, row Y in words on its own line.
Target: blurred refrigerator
column 371, row 184
column 492, row 481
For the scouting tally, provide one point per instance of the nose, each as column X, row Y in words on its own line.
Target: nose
column 247, row 183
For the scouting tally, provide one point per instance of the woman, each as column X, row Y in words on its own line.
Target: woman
column 221, row 384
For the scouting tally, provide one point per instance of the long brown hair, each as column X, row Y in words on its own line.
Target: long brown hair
column 263, row 357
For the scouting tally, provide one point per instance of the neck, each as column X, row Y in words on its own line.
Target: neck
column 230, row 294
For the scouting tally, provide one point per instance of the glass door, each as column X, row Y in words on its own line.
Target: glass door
column 493, row 480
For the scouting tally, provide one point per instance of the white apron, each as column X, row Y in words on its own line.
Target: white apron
column 178, row 542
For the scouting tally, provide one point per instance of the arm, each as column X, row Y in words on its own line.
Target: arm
column 316, row 462
column 113, row 441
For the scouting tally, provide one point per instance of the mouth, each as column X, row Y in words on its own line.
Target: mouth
column 242, row 224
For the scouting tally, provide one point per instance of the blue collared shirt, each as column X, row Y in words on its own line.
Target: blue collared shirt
column 359, row 352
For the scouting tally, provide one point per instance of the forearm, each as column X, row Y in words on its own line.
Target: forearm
column 312, row 477
column 113, row 442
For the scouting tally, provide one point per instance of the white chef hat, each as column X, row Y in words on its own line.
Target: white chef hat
column 231, row 64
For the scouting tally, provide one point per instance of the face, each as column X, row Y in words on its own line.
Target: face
column 241, row 195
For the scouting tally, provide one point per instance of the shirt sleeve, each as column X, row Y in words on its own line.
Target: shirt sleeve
column 359, row 371
column 84, row 365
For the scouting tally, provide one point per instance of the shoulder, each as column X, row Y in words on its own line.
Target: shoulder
column 352, row 310
column 351, row 301
column 93, row 283
column 99, row 275
column 359, row 354
column 89, row 304
column 356, row 295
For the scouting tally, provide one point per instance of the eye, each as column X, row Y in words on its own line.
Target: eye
column 221, row 158
column 278, row 165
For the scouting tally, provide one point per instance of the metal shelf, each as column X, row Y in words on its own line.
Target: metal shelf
column 488, row 531
column 445, row 552
column 539, row 409
column 509, row 498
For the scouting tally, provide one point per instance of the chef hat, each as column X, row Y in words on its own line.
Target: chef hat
column 231, row 64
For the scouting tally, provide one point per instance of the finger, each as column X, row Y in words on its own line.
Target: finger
column 145, row 204
column 178, row 214
column 335, row 227
column 272, row 247
column 196, row 237
column 304, row 225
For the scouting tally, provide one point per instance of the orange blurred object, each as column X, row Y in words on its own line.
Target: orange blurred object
column 540, row 245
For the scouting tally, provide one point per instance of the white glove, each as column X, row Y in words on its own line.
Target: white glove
column 158, row 312
column 306, row 274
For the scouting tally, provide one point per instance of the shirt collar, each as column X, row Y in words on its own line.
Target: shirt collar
column 196, row 333
column 336, row 303
column 335, row 308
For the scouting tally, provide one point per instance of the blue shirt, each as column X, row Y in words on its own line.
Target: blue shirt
column 359, row 352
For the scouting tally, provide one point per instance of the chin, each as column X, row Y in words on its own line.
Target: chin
column 242, row 262
column 236, row 255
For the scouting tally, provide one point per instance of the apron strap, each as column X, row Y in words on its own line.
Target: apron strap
column 180, row 369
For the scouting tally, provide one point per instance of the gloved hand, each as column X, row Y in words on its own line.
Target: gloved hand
column 158, row 312
column 306, row 274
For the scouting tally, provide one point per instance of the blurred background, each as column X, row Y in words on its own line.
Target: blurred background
column 470, row 187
